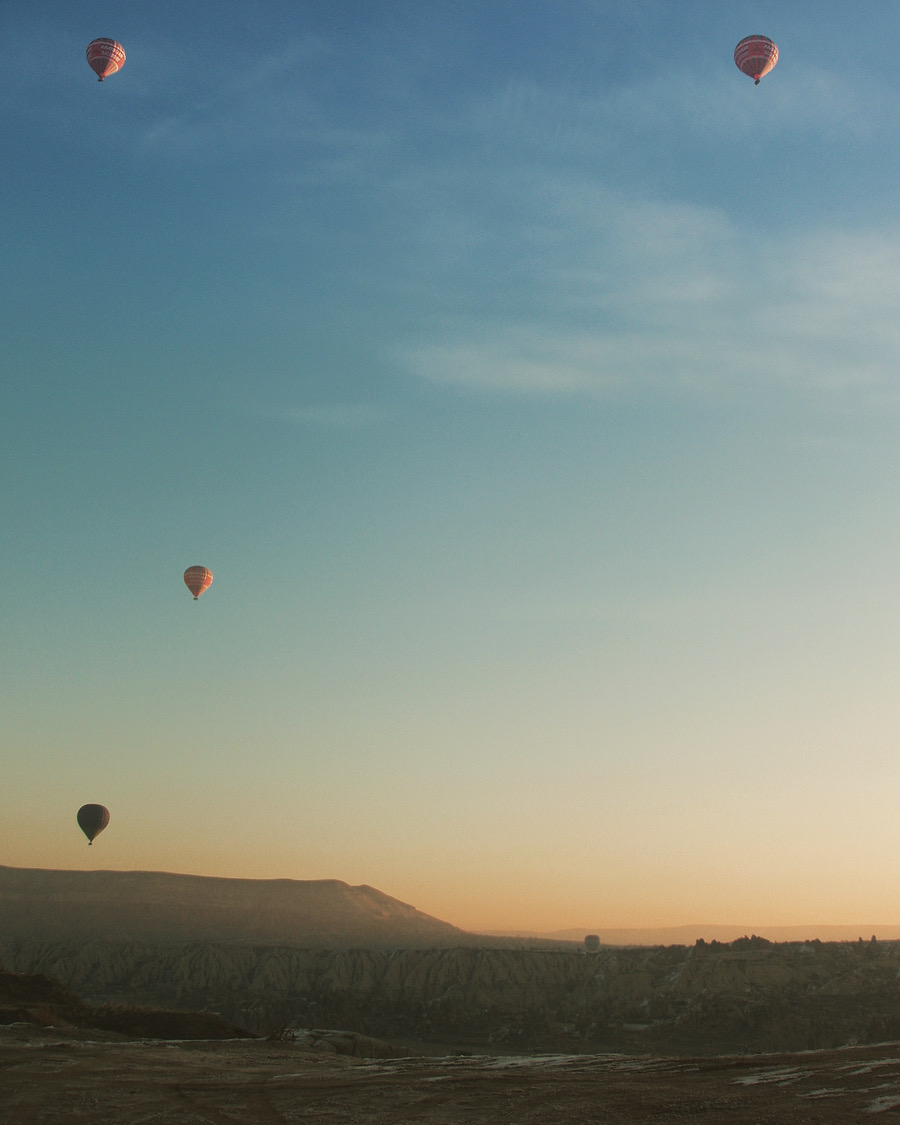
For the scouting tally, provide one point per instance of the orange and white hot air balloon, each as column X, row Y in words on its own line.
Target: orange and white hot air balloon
column 755, row 56
column 105, row 57
column 197, row 579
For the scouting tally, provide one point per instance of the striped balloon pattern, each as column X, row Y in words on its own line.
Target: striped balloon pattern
column 197, row 579
column 105, row 57
column 755, row 56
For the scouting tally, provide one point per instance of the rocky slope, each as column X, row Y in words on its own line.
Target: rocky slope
column 748, row 996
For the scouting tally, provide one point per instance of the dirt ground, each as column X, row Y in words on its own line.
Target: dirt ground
column 49, row 1077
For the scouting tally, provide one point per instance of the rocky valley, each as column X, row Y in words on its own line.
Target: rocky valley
column 749, row 995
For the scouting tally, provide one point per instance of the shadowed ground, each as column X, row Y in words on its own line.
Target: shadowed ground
column 81, row 1076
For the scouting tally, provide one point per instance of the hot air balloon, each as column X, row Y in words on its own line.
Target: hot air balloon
column 197, row 579
column 92, row 819
column 105, row 57
column 755, row 56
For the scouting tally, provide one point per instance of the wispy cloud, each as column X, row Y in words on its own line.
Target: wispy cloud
column 708, row 103
column 656, row 293
column 539, row 258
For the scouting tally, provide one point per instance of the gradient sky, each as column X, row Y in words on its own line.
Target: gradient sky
column 528, row 379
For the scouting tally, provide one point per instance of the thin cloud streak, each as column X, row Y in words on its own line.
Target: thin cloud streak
column 675, row 300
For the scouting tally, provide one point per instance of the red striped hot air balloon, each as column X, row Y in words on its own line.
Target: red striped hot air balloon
column 197, row 579
column 755, row 56
column 105, row 57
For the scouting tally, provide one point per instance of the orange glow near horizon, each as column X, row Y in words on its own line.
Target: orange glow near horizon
column 480, row 892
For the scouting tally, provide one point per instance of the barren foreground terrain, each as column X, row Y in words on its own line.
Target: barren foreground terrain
column 51, row 1077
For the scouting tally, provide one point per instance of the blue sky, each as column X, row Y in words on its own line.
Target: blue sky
column 527, row 379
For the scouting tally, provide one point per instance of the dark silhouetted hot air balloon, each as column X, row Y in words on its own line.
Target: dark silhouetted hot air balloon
column 197, row 579
column 755, row 56
column 105, row 57
column 92, row 819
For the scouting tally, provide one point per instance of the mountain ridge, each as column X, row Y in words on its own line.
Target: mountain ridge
column 48, row 903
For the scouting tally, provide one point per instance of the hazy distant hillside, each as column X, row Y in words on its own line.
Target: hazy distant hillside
column 687, row 935
column 159, row 907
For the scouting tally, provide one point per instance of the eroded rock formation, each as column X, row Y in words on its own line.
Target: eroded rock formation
column 747, row 996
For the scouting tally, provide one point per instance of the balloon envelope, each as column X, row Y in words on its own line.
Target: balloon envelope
column 755, row 56
column 105, row 57
column 197, row 579
column 92, row 819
